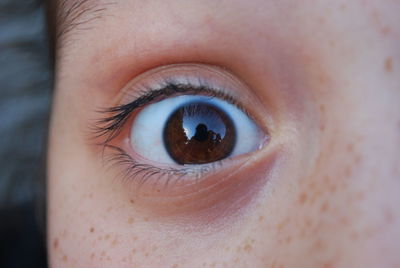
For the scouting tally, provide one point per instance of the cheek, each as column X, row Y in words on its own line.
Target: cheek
column 342, row 208
column 86, row 225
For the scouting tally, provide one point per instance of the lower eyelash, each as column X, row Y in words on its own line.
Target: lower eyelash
column 141, row 173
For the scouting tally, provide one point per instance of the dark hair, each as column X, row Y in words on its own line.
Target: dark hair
column 26, row 79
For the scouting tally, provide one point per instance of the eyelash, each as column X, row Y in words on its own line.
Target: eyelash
column 111, row 125
column 133, row 169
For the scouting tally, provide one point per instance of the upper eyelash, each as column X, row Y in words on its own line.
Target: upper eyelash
column 110, row 126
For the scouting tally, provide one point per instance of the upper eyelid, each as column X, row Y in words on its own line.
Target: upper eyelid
column 110, row 126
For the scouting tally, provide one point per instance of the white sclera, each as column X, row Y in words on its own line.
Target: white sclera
column 147, row 129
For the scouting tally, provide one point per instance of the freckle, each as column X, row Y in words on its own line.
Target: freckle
column 344, row 221
column 328, row 265
column 343, row 7
column 103, row 253
column 109, row 209
column 133, row 251
column 389, row 65
column 281, row 225
column 385, row 31
column 288, row 239
column 350, row 147
column 333, row 188
column 145, row 219
column 208, row 19
column 308, row 223
column 315, row 196
column 114, row 242
column 318, row 245
column 357, row 159
column 175, row 266
column 303, row 232
column 135, row 238
column 55, row 243
column 64, row 233
column 92, row 256
column 247, row 247
column 322, row 79
column 347, row 171
column 303, row 198
column 354, row 235
column 389, row 216
column 324, row 207
column 91, row 230
column 132, row 201
column 360, row 196
column 65, row 258
column 107, row 236
column 146, row 254
column 322, row 108
column 261, row 218
column 130, row 220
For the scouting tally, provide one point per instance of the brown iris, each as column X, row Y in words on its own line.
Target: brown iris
column 199, row 133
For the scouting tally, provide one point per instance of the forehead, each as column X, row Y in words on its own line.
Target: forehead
column 263, row 16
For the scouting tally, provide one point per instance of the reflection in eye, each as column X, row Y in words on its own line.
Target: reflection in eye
column 199, row 133
column 193, row 129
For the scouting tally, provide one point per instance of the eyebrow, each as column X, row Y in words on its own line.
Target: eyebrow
column 73, row 15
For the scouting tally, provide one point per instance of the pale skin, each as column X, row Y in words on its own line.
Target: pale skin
column 324, row 192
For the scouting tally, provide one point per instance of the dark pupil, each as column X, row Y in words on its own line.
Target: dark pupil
column 199, row 133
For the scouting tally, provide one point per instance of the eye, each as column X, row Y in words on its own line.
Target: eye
column 193, row 129
column 187, row 140
column 182, row 122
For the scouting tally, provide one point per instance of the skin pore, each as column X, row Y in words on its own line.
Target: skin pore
column 323, row 79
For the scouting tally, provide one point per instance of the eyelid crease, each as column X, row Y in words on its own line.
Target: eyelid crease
column 111, row 125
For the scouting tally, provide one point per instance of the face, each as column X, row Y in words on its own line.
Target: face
column 226, row 134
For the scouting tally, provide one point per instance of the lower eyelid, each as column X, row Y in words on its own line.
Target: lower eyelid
column 222, row 192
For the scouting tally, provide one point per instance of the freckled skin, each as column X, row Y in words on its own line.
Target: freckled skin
column 328, row 74
column 389, row 65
